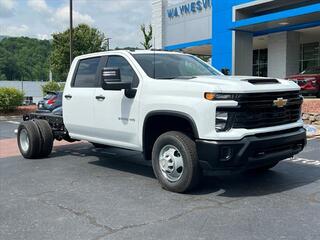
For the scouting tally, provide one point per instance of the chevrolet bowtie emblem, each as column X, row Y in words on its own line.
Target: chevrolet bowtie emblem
column 280, row 102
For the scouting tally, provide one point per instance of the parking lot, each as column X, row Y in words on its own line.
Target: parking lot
column 85, row 193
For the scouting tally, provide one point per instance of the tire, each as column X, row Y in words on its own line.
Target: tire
column 29, row 140
column 46, row 137
column 318, row 94
column 177, row 145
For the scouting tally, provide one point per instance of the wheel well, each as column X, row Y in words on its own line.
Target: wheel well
column 155, row 125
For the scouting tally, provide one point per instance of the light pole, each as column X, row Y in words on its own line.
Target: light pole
column 108, row 43
column 71, row 33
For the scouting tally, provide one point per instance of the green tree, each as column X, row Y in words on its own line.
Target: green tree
column 23, row 58
column 147, row 35
column 52, row 87
column 85, row 40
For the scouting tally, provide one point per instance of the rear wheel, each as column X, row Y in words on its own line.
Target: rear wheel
column 29, row 140
column 175, row 162
column 46, row 137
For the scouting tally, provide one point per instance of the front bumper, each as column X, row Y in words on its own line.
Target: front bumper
column 250, row 152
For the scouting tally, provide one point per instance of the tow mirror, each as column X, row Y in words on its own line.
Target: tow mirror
column 111, row 80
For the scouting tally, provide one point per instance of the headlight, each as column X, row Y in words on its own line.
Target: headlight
column 219, row 96
column 221, row 121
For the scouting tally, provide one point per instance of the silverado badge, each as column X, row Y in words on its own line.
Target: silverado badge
column 280, row 102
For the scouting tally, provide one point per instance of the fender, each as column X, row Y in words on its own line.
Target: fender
column 174, row 114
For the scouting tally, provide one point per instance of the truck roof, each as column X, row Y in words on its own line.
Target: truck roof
column 97, row 54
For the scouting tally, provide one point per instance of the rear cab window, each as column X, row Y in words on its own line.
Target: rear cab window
column 86, row 74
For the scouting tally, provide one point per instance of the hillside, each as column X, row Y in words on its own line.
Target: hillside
column 23, row 58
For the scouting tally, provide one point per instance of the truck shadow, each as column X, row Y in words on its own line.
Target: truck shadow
column 284, row 177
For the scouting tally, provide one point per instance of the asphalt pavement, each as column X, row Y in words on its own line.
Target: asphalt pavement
column 80, row 192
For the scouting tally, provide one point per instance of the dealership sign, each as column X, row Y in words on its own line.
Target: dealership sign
column 189, row 8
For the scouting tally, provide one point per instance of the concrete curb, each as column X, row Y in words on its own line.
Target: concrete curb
column 8, row 118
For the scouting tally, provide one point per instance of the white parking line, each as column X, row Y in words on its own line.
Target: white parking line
column 13, row 122
column 305, row 161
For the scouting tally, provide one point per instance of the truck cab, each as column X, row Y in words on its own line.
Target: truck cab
column 181, row 113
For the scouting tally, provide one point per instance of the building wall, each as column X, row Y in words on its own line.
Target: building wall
column 158, row 8
column 187, row 27
column 233, row 27
column 222, row 41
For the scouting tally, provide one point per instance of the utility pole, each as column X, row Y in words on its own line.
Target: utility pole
column 108, row 43
column 71, row 33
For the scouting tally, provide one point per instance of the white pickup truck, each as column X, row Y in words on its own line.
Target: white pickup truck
column 181, row 113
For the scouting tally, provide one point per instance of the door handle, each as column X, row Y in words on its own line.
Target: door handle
column 68, row 96
column 100, row 98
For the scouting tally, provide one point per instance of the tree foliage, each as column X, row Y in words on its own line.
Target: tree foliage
column 85, row 40
column 147, row 36
column 24, row 58
column 10, row 98
column 52, row 87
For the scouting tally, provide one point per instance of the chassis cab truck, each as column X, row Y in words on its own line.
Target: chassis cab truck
column 181, row 113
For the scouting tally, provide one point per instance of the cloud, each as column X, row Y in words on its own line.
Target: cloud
column 61, row 16
column 6, row 8
column 118, row 19
column 12, row 30
column 38, row 5
column 43, row 36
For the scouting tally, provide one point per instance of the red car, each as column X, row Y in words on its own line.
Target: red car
column 308, row 80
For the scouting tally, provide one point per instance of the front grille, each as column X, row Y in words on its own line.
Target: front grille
column 257, row 110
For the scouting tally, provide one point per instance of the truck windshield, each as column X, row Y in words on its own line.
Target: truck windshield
column 171, row 66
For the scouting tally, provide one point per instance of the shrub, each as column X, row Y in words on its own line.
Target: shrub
column 52, row 87
column 10, row 98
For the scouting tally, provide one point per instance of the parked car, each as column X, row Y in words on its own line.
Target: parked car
column 51, row 101
column 308, row 80
column 177, row 111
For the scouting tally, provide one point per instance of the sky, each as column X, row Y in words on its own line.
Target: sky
column 117, row 19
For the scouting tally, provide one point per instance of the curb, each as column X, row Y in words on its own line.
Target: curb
column 8, row 118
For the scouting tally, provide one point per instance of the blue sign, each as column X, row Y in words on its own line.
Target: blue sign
column 188, row 8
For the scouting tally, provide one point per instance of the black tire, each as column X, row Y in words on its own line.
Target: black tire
column 191, row 170
column 46, row 137
column 98, row 145
column 318, row 94
column 30, row 130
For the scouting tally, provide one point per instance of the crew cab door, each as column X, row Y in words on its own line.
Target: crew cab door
column 115, row 115
column 78, row 99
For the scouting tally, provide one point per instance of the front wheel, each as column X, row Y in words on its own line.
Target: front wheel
column 175, row 162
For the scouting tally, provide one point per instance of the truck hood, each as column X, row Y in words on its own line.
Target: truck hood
column 242, row 84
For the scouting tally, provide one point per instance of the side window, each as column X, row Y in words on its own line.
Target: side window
column 86, row 73
column 126, row 71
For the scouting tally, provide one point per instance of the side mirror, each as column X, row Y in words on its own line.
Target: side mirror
column 111, row 80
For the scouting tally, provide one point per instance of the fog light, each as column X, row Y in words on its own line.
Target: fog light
column 221, row 121
column 226, row 154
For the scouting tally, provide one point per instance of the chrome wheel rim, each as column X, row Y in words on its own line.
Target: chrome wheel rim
column 171, row 163
column 24, row 140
